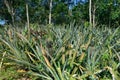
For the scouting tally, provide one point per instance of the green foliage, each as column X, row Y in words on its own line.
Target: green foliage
column 9, row 74
column 106, row 12
column 64, row 52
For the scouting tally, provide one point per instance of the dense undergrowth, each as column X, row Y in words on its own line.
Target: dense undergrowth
column 62, row 52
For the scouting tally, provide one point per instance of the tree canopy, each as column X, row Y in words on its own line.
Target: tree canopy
column 104, row 12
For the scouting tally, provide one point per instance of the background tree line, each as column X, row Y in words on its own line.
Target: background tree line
column 102, row 12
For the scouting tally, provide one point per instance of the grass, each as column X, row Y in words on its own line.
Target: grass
column 66, row 52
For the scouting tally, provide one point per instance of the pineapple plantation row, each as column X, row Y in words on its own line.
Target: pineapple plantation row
column 67, row 52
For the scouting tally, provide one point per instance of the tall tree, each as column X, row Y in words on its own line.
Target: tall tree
column 10, row 8
column 90, row 12
column 50, row 10
column 28, row 23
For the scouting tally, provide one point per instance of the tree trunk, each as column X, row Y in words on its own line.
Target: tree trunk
column 50, row 10
column 90, row 13
column 94, row 9
column 12, row 15
column 11, row 11
column 28, row 24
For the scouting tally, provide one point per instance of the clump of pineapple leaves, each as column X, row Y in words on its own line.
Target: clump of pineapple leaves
column 67, row 52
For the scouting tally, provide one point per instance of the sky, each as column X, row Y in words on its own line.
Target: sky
column 2, row 22
column 75, row 3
